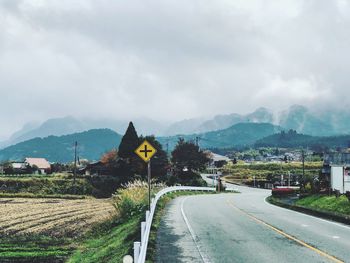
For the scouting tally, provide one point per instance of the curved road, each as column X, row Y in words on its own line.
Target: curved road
column 244, row 228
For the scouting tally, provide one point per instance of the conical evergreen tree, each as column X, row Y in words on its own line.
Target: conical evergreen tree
column 129, row 143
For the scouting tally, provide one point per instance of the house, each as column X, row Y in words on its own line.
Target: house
column 18, row 168
column 335, row 171
column 41, row 164
column 216, row 162
column 96, row 168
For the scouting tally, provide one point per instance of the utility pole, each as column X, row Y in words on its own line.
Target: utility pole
column 167, row 148
column 303, row 160
column 219, row 182
column 288, row 179
column 75, row 167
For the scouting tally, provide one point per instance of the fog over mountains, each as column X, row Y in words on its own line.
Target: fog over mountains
column 299, row 118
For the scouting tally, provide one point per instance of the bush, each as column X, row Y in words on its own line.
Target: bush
column 133, row 198
column 186, row 178
column 347, row 194
column 281, row 192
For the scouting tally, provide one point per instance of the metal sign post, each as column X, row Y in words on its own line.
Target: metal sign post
column 146, row 151
column 149, row 184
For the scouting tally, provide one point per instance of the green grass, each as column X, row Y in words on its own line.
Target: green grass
column 340, row 205
column 109, row 246
column 34, row 249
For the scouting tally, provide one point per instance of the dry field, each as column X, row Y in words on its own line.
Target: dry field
column 52, row 217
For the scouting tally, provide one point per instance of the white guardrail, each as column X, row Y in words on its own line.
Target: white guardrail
column 140, row 248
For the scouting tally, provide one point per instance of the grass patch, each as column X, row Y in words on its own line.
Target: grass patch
column 340, row 205
column 109, row 246
column 34, row 249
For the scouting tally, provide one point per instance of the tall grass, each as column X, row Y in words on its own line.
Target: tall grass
column 133, row 197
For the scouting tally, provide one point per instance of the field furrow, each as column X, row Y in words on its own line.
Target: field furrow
column 52, row 216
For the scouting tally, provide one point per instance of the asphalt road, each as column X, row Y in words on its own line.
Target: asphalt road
column 244, row 228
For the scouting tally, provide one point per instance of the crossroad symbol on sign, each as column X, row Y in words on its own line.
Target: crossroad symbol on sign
column 145, row 151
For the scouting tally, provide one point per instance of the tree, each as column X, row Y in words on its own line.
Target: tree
column 129, row 143
column 187, row 155
column 130, row 164
column 110, row 158
column 187, row 160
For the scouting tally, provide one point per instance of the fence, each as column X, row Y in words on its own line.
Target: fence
column 140, row 248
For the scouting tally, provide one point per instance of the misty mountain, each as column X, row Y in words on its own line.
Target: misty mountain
column 302, row 120
column 293, row 139
column 261, row 115
column 299, row 118
column 187, row 126
column 219, row 122
column 70, row 125
column 238, row 135
column 91, row 145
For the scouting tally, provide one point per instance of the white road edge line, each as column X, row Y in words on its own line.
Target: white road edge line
column 320, row 219
column 205, row 258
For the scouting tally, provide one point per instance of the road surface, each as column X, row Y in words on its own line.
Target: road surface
column 244, row 228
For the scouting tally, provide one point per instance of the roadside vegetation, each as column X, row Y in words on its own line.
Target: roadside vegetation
column 340, row 205
column 245, row 173
column 58, row 185
column 113, row 241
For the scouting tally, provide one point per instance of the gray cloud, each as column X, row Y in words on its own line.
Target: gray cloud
column 169, row 59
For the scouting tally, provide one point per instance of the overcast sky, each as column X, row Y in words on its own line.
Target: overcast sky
column 169, row 60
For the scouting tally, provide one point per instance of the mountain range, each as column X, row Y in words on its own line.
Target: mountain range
column 299, row 118
column 94, row 143
column 220, row 131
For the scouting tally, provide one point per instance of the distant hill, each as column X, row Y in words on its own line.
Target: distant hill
column 219, row 122
column 322, row 122
column 304, row 121
column 241, row 134
column 92, row 144
column 292, row 139
column 313, row 122
column 69, row 125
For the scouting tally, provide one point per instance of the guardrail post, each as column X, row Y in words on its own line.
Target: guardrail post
column 143, row 228
column 136, row 251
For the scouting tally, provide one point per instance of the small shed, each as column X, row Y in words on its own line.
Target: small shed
column 340, row 178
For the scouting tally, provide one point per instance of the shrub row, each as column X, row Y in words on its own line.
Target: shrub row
column 280, row 192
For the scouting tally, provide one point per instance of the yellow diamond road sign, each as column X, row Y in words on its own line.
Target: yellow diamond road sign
column 145, row 151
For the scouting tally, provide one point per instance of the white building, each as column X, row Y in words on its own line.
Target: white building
column 340, row 178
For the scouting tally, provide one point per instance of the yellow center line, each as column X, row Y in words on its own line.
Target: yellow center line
column 320, row 252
